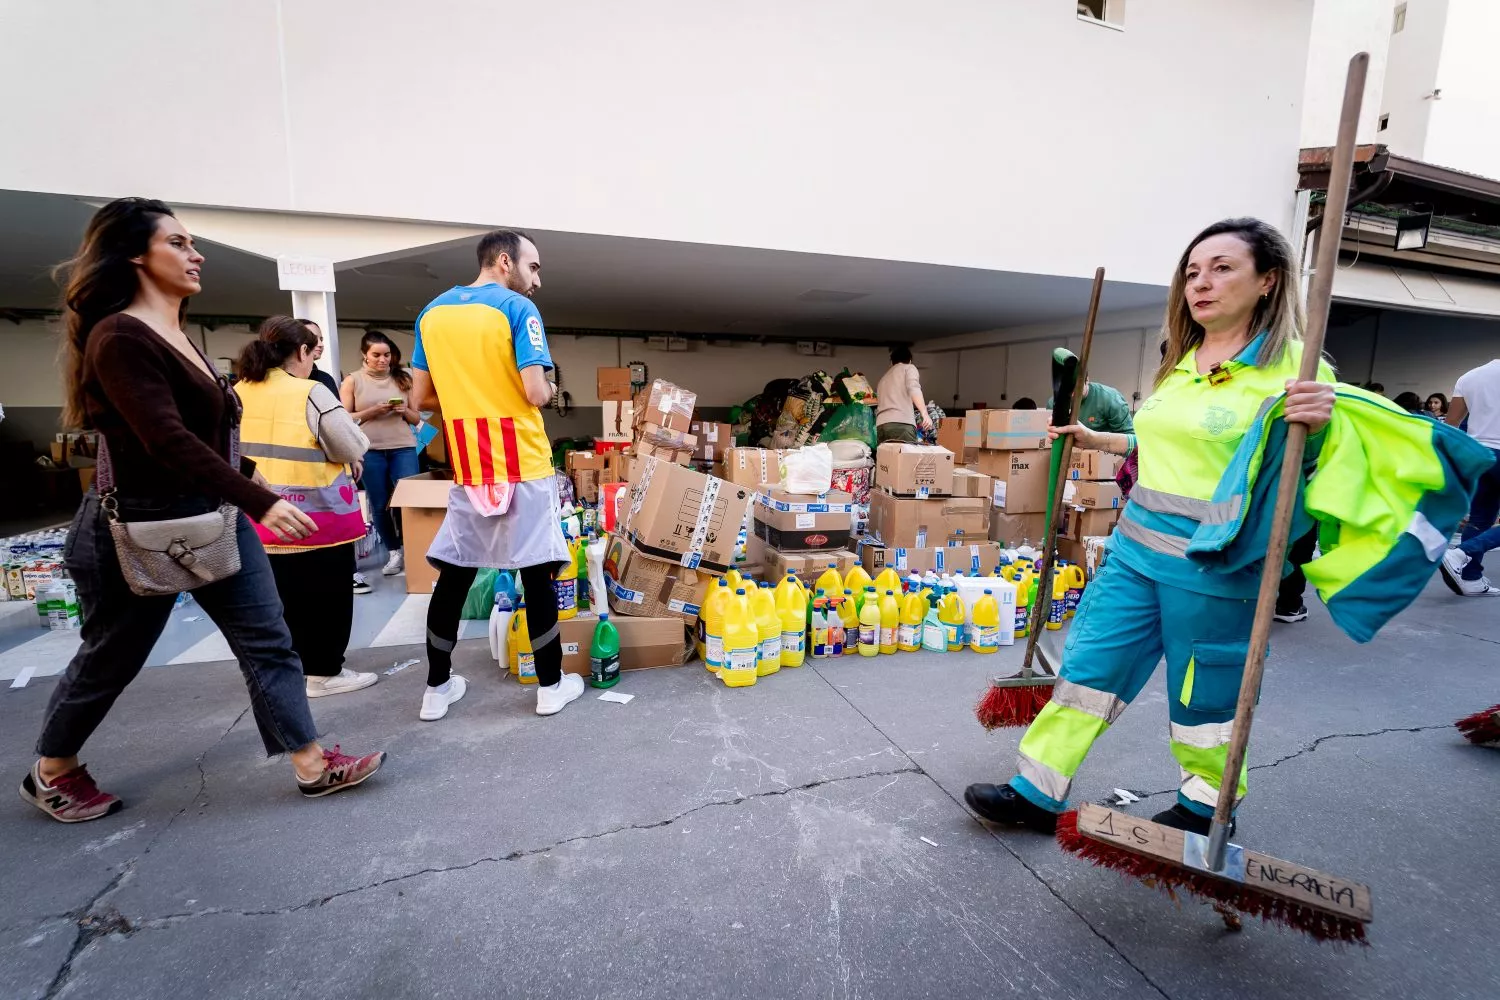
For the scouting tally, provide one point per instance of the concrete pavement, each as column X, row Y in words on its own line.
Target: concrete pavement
column 765, row 842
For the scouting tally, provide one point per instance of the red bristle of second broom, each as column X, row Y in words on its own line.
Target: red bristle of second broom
column 1010, row 707
column 1482, row 728
column 1173, row 879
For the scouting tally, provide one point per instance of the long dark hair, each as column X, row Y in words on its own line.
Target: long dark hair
column 278, row 338
column 101, row 281
column 401, row 375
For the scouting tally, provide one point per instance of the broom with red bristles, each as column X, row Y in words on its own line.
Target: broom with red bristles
column 1482, row 728
column 1017, row 700
column 1327, row 907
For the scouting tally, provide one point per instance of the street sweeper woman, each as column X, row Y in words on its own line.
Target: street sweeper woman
column 1233, row 334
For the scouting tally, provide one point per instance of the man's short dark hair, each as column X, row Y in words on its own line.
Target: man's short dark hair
column 500, row 241
column 901, row 355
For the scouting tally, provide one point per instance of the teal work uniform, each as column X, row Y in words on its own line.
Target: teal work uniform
column 1149, row 601
column 1104, row 409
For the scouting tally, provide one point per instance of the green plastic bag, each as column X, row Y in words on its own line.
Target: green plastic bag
column 850, row 422
column 481, row 598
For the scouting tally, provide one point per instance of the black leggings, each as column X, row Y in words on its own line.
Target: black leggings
column 447, row 608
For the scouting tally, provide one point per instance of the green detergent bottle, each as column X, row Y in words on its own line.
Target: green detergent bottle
column 604, row 654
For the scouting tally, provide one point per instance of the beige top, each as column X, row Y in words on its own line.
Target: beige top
column 387, row 430
column 894, row 392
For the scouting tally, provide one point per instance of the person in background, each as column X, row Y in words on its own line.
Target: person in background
column 1025, row 403
column 1376, row 387
column 900, row 409
column 379, row 398
column 1103, row 409
column 1476, row 398
column 1409, row 401
column 317, row 374
column 289, row 418
column 1437, row 406
column 169, row 423
column 482, row 358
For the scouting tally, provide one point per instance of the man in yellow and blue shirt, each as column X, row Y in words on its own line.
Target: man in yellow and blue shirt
column 481, row 358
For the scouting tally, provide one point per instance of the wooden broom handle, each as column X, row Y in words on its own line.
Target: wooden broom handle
column 1050, row 538
column 1319, row 294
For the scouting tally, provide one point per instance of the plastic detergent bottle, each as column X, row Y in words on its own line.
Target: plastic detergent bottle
column 604, row 654
column 847, row 612
column 909, row 629
column 890, row 621
column 524, row 663
column 567, row 590
column 790, row 590
column 888, row 579
column 768, row 627
column 735, row 580
column 840, row 639
column 594, row 556
column 934, row 632
column 930, row 581
column 829, row 582
column 985, row 636
column 500, row 616
column 912, row 584
column 1025, row 590
column 581, row 564
column 869, row 625
column 1076, row 578
column 855, row 582
column 711, row 617
column 793, row 616
column 1058, row 609
column 818, row 627
column 951, row 614
column 741, row 643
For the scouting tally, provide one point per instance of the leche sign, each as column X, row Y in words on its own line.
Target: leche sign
column 304, row 274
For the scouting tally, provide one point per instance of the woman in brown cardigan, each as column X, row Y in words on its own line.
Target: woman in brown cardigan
column 167, row 420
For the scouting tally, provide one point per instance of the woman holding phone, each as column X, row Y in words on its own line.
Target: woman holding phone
column 378, row 396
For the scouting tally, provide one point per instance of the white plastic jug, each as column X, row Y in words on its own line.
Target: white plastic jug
column 972, row 588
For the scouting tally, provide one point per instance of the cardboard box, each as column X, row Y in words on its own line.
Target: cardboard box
column 1100, row 496
column 1087, row 552
column 641, row 586
column 974, row 429
column 613, row 384
column 618, row 423
column 1020, row 479
column 979, row 557
column 679, row 454
column 919, row 523
column 752, row 466
column 971, row 483
column 1086, row 463
column 665, row 405
column 1012, row 530
column 950, row 435
column 684, row 516
column 590, row 470
column 423, row 501
column 1015, row 430
column 921, row 470
column 644, row 642
column 807, row 566
column 792, row 522
column 713, row 439
column 1079, row 522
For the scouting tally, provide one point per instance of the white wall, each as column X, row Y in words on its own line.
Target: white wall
column 1464, row 127
column 1340, row 28
column 980, row 134
column 1411, row 73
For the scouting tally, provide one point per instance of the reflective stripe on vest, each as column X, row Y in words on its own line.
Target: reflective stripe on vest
column 275, row 433
column 1202, row 511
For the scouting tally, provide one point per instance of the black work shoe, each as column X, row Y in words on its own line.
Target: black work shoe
column 1179, row 817
column 1297, row 614
column 1003, row 804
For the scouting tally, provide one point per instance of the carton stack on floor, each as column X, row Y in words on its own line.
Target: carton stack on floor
column 1091, row 508
column 919, row 521
column 1010, row 447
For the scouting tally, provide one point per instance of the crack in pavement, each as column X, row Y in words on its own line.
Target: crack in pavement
column 156, row 923
column 1306, row 748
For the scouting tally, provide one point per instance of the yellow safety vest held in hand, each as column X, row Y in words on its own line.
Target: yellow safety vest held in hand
column 274, row 432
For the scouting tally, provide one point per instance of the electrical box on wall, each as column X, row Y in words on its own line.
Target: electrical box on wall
column 667, row 343
column 815, row 348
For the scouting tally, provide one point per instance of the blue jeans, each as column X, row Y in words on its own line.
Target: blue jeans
column 1481, row 533
column 120, row 628
column 383, row 467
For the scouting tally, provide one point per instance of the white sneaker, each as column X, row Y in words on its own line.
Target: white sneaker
column 343, row 682
column 551, row 700
column 361, row 585
column 1452, row 566
column 435, row 700
column 395, row 564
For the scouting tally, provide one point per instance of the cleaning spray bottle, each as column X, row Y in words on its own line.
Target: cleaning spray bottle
column 839, row 637
column 604, row 654
column 934, row 632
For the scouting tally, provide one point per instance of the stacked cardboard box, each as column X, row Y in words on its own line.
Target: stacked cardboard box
column 590, row 470
column 1012, row 450
column 713, row 439
column 750, row 466
column 802, row 533
column 914, row 470
column 1091, row 500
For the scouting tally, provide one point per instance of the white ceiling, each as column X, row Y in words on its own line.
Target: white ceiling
column 612, row 283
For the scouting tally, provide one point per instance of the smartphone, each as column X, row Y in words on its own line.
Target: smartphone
column 397, row 401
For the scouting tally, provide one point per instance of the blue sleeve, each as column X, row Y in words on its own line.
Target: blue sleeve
column 526, row 332
column 418, row 355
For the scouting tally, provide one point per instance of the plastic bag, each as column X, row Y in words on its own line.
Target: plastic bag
column 851, row 455
column 809, row 469
column 851, row 422
column 481, row 597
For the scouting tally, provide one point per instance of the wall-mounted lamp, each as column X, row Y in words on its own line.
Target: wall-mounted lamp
column 1412, row 230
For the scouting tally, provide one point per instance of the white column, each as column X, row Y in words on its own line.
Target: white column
column 318, row 307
